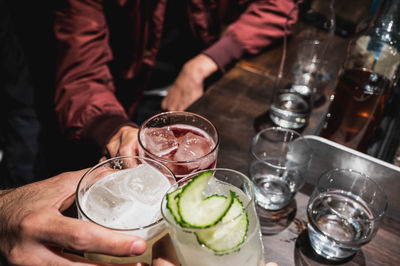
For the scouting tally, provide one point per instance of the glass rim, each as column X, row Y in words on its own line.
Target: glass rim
column 188, row 177
column 365, row 176
column 182, row 113
column 282, row 129
column 158, row 221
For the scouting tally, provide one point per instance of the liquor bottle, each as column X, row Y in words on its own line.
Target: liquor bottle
column 368, row 75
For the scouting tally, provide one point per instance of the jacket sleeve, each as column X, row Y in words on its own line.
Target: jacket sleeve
column 259, row 25
column 85, row 103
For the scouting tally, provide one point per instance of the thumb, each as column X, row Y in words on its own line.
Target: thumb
column 80, row 235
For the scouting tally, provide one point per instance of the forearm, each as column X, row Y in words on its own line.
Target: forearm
column 260, row 25
column 201, row 66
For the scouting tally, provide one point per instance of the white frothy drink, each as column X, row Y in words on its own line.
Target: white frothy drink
column 127, row 199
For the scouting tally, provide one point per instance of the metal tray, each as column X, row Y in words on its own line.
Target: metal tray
column 328, row 155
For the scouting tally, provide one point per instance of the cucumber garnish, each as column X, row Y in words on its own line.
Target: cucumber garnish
column 197, row 212
column 230, row 234
column 224, row 214
column 172, row 204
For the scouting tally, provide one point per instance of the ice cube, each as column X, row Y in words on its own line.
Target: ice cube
column 128, row 198
column 148, row 185
column 192, row 147
column 104, row 205
column 160, row 141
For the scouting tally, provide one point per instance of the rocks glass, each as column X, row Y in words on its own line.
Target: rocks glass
column 189, row 243
column 185, row 142
column 124, row 194
column 344, row 213
column 279, row 158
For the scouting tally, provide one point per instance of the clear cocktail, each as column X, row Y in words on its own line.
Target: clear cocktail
column 185, row 142
column 124, row 194
column 212, row 219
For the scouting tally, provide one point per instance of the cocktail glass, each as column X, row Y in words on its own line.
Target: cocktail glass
column 186, row 240
column 124, row 194
column 185, row 142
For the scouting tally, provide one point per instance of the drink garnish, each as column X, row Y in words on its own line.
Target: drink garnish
column 198, row 212
column 172, row 205
column 224, row 214
column 230, row 234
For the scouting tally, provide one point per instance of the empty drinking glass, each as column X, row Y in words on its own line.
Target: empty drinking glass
column 344, row 213
column 279, row 159
column 303, row 57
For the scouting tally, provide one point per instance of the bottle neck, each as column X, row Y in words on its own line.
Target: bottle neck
column 386, row 24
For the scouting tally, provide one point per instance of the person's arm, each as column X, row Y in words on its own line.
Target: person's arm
column 86, row 105
column 261, row 24
column 188, row 86
column 33, row 230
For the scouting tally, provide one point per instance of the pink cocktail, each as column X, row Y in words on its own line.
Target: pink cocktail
column 185, row 142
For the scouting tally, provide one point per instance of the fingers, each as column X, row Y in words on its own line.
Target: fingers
column 33, row 253
column 57, row 191
column 176, row 99
column 113, row 147
column 164, row 253
column 78, row 235
column 162, row 262
column 168, row 104
column 128, row 141
column 123, row 143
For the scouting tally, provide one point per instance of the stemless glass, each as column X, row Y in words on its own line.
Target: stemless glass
column 303, row 57
column 191, row 252
column 124, row 194
column 279, row 158
column 344, row 213
column 185, row 142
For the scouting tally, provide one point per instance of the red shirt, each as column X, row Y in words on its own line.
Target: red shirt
column 96, row 36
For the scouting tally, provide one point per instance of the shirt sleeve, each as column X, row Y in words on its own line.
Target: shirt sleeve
column 85, row 103
column 261, row 24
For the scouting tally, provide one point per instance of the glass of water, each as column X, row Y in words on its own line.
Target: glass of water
column 279, row 159
column 344, row 213
column 303, row 56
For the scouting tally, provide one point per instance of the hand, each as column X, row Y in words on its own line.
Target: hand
column 124, row 142
column 188, row 86
column 33, row 231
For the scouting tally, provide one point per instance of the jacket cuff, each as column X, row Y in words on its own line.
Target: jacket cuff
column 102, row 128
column 225, row 52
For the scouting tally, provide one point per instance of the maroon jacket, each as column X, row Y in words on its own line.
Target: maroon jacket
column 92, row 34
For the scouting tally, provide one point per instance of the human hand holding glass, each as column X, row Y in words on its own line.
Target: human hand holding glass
column 123, row 143
column 34, row 231
column 124, row 194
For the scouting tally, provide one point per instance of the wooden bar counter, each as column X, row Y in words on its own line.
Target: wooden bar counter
column 237, row 106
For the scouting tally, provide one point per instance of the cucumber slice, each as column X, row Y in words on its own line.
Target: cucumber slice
column 230, row 234
column 196, row 212
column 227, row 213
column 172, row 204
